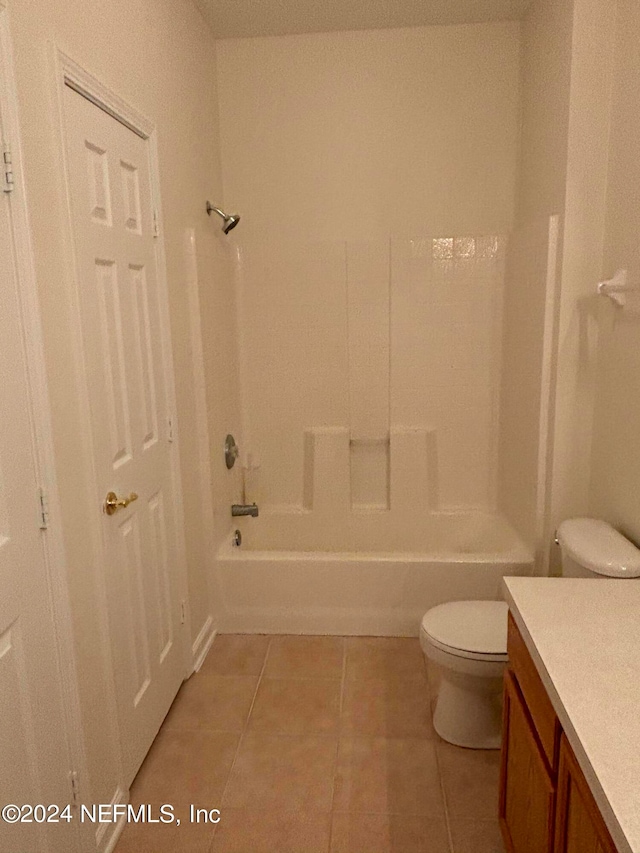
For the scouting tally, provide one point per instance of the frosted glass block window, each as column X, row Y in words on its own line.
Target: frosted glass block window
column 487, row 247
column 443, row 248
column 464, row 247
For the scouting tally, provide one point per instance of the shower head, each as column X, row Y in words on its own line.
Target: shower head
column 228, row 221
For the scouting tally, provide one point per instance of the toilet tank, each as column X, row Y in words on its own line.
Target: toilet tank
column 591, row 548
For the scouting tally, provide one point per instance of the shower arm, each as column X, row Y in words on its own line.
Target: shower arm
column 229, row 221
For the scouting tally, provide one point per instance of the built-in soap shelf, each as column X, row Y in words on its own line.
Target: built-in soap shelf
column 369, row 474
column 397, row 472
column 618, row 287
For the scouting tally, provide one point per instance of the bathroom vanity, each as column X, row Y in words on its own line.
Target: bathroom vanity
column 570, row 778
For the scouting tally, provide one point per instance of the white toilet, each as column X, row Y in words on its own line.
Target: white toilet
column 468, row 639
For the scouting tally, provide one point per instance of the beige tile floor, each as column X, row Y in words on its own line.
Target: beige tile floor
column 314, row 745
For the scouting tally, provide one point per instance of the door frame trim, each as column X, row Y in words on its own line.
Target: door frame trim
column 52, row 540
column 67, row 72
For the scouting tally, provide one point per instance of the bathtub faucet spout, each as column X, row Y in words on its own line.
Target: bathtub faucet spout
column 244, row 509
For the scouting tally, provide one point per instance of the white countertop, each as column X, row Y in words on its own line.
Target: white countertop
column 584, row 637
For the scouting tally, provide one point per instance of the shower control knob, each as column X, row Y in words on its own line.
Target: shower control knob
column 231, row 451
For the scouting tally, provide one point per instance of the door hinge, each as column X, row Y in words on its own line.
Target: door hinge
column 43, row 508
column 169, row 429
column 75, row 788
column 156, row 224
column 7, row 169
column 183, row 612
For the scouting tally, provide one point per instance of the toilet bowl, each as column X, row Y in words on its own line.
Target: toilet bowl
column 468, row 640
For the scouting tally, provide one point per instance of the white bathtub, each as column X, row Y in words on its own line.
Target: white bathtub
column 373, row 576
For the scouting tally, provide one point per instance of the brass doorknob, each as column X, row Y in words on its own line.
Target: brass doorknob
column 113, row 503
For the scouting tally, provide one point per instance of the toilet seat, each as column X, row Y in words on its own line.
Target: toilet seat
column 476, row 630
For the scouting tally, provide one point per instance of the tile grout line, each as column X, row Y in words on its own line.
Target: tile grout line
column 235, row 756
column 445, row 803
column 246, row 724
column 430, row 709
column 448, row 790
column 340, row 707
column 342, row 681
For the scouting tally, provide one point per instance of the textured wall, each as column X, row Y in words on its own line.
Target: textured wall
column 547, row 31
column 566, row 86
column 592, row 63
column 615, row 484
column 362, row 135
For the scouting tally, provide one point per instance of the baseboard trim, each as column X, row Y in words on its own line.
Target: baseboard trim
column 202, row 643
column 108, row 834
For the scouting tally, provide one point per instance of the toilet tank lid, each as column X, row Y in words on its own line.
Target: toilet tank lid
column 597, row 546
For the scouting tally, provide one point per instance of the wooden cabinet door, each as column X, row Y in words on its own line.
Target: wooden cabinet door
column 540, row 710
column 527, row 792
column 579, row 824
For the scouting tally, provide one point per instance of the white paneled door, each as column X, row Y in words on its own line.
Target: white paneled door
column 124, row 344
column 34, row 757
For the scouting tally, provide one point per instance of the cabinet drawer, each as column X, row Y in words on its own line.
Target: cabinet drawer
column 545, row 722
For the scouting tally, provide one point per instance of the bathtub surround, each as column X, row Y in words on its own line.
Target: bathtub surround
column 368, row 298
column 446, row 321
column 370, row 373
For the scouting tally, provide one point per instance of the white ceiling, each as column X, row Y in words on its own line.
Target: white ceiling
column 241, row 18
